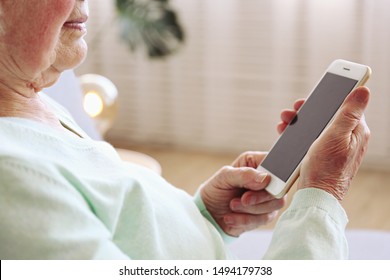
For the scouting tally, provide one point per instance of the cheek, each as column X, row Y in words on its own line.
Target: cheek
column 46, row 23
column 35, row 30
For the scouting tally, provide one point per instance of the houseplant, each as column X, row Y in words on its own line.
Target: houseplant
column 150, row 24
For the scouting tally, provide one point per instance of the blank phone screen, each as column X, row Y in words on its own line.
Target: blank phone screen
column 310, row 121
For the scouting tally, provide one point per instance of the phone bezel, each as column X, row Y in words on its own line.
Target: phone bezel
column 277, row 187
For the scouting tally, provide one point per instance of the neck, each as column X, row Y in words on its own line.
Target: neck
column 26, row 104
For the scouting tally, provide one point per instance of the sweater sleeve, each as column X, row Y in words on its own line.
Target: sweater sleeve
column 43, row 217
column 313, row 227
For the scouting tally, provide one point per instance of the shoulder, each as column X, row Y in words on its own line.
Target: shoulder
column 26, row 184
column 18, row 170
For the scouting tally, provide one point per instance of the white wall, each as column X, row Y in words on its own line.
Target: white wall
column 244, row 61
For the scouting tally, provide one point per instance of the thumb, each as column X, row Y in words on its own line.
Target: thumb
column 243, row 177
column 352, row 109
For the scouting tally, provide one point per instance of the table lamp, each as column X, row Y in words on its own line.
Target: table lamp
column 100, row 100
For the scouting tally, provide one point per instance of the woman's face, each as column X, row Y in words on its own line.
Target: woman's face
column 41, row 38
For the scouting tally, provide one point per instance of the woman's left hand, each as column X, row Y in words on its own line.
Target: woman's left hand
column 236, row 197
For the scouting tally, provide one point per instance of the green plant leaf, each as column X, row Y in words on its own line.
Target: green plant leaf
column 151, row 24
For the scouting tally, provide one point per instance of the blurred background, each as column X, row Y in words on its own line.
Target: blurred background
column 235, row 64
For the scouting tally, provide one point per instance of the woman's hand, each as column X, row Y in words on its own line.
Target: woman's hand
column 334, row 158
column 236, row 198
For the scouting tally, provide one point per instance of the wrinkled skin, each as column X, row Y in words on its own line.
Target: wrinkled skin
column 39, row 39
column 334, row 158
column 235, row 195
column 35, row 45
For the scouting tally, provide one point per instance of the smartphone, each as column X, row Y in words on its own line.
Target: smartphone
column 284, row 158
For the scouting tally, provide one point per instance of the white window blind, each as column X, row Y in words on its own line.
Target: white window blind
column 243, row 62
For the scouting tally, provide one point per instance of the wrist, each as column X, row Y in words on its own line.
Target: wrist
column 199, row 202
column 334, row 190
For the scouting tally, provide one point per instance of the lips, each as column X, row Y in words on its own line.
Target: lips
column 78, row 23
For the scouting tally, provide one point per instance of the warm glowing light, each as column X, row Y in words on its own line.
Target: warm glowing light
column 93, row 104
column 100, row 100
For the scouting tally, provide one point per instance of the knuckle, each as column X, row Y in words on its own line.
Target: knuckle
column 236, row 175
column 350, row 115
column 246, row 154
column 225, row 169
column 246, row 174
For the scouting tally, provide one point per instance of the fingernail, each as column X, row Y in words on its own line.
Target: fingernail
column 361, row 96
column 260, row 177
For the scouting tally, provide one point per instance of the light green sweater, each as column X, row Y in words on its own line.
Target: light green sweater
column 66, row 197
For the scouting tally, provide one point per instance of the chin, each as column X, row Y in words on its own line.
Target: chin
column 78, row 55
column 70, row 55
column 66, row 57
column 51, row 75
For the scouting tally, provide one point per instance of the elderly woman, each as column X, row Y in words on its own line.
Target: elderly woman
column 65, row 196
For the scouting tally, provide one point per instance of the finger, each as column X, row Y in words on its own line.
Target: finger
column 237, row 223
column 288, row 115
column 352, row 109
column 256, row 209
column 249, row 159
column 255, row 197
column 298, row 104
column 243, row 177
column 250, row 198
column 281, row 127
